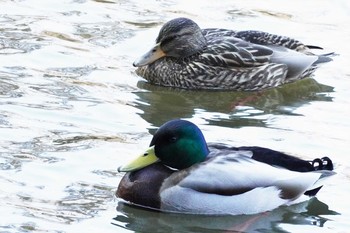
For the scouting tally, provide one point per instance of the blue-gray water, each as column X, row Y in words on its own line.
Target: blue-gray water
column 72, row 110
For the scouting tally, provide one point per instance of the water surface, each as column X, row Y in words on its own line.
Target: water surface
column 72, row 110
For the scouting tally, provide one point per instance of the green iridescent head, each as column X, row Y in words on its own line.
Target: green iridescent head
column 178, row 144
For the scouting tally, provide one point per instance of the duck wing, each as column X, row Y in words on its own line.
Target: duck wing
column 298, row 63
column 267, row 155
column 238, row 173
column 265, row 38
column 234, row 52
column 218, row 32
column 230, row 51
column 235, row 184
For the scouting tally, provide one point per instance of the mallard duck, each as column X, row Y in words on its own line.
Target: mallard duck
column 181, row 173
column 186, row 56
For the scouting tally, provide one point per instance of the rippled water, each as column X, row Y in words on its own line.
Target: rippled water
column 72, row 110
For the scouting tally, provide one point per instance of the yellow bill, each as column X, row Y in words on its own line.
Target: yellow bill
column 147, row 158
column 154, row 54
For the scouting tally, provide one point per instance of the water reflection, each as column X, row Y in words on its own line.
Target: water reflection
column 16, row 36
column 7, row 89
column 67, row 118
column 141, row 220
column 82, row 201
column 103, row 34
column 231, row 109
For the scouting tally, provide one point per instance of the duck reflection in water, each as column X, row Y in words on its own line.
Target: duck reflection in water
column 311, row 213
column 229, row 109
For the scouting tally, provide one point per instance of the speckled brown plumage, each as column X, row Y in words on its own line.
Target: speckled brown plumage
column 226, row 59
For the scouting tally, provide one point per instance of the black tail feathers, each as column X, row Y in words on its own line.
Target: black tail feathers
column 324, row 163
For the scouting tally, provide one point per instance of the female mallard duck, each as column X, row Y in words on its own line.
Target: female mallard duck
column 181, row 173
column 186, row 56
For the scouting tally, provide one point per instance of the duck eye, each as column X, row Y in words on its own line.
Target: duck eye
column 173, row 139
column 168, row 39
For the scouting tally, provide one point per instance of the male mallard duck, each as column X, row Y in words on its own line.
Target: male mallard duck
column 187, row 56
column 181, row 173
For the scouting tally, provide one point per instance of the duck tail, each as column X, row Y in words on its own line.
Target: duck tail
column 313, row 47
column 323, row 58
column 313, row 192
column 325, row 174
column 324, row 165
